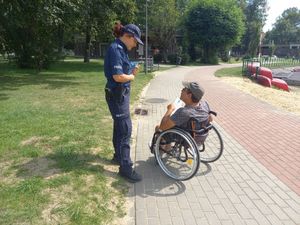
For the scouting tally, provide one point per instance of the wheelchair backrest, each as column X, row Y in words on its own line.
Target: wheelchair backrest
column 198, row 129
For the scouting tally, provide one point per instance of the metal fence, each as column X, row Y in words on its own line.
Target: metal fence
column 151, row 66
column 270, row 63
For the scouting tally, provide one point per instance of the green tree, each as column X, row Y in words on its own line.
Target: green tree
column 97, row 17
column 36, row 30
column 181, row 6
column 69, row 14
column 2, row 45
column 163, row 21
column 286, row 29
column 255, row 12
column 214, row 25
column 30, row 29
column 26, row 32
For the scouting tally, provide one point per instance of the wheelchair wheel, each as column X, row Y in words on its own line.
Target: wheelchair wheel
column 177, row 154
column 212, row 149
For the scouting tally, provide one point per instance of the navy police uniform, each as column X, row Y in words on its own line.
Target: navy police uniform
column 118, row 98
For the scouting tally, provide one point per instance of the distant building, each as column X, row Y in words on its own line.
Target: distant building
column 98, row 49
column 291, row 50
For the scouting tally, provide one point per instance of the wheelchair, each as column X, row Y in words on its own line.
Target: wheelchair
column 179, row 152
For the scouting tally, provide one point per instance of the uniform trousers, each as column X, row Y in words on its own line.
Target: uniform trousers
column 118, row 101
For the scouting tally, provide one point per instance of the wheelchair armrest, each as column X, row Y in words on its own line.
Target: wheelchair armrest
column 212, row 112
column 203, row 130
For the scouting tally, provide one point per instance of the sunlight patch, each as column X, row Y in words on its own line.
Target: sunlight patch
column 53, row 214
column 287, row 101
column 96, row 150
column 31, row 141
column 37, row 141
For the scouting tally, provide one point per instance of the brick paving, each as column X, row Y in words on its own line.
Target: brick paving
column 256, row 181
column 271, row 135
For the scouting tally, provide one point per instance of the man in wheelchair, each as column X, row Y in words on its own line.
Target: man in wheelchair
column 194, row 115
column 179, row 139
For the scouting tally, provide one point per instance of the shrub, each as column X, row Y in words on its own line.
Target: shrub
column 247, row 57
column 157, row 58
column 185, row 58
column 172, row 58
column 225, row 57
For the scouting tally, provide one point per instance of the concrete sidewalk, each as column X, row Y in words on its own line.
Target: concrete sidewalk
column 256, row 181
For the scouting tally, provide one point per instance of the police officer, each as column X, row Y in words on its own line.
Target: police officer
column 119, row 73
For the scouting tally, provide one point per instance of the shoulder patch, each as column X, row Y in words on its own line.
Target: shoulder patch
column 117, row 67
column 119, row 46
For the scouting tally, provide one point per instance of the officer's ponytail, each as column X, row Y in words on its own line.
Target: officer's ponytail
column 118, row 29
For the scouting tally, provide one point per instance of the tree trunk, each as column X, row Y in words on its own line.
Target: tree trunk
column 87, row 48
column 210, row 56
column 192, row 52
column 60, row 39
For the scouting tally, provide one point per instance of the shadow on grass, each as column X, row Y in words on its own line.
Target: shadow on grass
column 3, row 96
column 77, row 66
column 59, row 75
column 85, row 163
column 57, row 67
column 53, row 81
column 64, row 162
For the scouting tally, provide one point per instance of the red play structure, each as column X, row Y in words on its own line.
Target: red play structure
column 264, row 77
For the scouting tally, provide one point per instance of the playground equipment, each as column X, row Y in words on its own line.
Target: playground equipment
column 264, row 76
column 279, row 83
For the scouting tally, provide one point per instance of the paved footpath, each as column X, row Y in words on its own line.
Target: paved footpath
column 257, row 179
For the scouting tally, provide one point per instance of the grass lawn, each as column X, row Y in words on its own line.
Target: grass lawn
column 56, row 145
column 289, row 101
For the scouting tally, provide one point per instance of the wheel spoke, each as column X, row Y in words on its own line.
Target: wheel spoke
column 212, row 148
column 181, row 160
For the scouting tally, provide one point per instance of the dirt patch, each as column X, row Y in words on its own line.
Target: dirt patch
column 55, row 138
column 111, row 172
column 96, row 150
column 42, row 167
column 65, row 195
column 128, row 218
column 12, row 172
column 41, row 142
column 92, row 113
column 31, row 141
column 7, row 174
column 106, row 120
column 57, row 198
column 78, row 102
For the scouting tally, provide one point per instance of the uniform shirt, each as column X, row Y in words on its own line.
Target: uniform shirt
column 182, row 116
column 116, row 62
